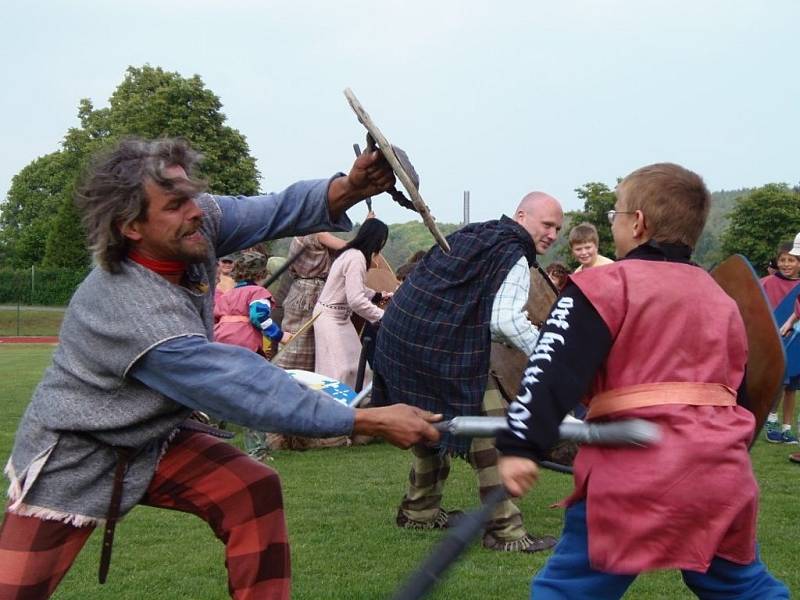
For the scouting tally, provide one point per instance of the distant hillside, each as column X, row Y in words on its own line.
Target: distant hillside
column 708, row 252
column 404, row 240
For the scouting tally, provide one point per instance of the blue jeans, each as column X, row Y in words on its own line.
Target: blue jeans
column 568, row 576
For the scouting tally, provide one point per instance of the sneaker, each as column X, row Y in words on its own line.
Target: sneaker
column 773, row 433
column 444, row 519
column 528, row 543
column 787, row 437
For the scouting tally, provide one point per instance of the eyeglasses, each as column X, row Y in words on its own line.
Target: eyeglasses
column 613, row 213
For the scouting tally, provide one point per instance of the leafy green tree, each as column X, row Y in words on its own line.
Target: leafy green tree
column 66, row 244
column 598, row 199
column 151, row 103
column 761, row 221
column 30, row 209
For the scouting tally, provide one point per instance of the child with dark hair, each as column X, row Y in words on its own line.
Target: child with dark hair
column 404, row 270
column 337, row 346
column 558, row 274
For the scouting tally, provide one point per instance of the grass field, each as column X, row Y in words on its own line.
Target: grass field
column 340, row 505
column 30, row 320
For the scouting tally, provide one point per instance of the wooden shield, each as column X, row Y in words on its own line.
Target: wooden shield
column 380, row 278
column 507, row 364
column 766, row 360
column 402, row 173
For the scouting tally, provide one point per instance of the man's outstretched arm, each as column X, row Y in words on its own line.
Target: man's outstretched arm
column 237, row 385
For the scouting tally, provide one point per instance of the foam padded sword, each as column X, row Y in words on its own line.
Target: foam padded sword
column 636, row 432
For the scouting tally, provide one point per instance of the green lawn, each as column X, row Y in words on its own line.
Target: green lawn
column 30, row 320
column 340, row 505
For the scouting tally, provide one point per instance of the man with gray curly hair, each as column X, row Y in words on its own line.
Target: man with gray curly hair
column 107, row 427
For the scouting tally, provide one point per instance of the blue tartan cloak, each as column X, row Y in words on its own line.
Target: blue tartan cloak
column 433, row 344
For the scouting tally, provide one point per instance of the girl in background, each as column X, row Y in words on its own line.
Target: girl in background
column 337, row 345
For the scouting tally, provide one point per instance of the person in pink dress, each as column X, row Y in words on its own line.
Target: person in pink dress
column 337, row 345
column 651, row 336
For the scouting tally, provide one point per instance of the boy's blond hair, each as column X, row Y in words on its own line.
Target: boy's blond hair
column 583, row 233
column 674, row 201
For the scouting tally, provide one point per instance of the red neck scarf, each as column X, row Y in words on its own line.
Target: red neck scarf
column 164, row 268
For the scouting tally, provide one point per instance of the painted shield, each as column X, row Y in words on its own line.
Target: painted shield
column 766, row 360
column 333, row 387
column 791, row 342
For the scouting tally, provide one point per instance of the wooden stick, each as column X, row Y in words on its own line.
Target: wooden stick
column 368, row 200
column 302, row 329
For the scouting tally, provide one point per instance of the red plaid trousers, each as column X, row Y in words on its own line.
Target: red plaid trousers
column 237, row 496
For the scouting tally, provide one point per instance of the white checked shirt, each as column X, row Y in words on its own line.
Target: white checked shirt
column 509, row 322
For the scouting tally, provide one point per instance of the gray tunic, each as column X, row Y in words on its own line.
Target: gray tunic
column 64, row 454
column 63, row 460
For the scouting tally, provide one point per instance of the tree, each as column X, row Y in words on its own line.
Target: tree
column 66, row 244
column 151, row 103
column 761, row 221
column 708, row 251
column 31, row 206
column 598, row 199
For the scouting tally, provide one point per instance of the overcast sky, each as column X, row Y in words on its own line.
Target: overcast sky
column 499, row 98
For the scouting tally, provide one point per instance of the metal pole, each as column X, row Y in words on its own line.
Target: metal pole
column 466, row 207
column 33, row 281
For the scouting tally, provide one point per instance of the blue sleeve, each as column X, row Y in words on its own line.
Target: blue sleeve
column 300, row 209
column 234, row 384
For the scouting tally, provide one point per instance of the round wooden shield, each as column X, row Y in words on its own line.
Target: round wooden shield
column 381, row 277
column 507, row 364
column 766, row 359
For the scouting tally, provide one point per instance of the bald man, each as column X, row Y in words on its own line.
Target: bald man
column 433, row 351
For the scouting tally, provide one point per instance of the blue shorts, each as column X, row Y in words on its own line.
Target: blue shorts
column 792, row 383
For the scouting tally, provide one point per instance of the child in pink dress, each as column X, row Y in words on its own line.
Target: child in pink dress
column 242, row 315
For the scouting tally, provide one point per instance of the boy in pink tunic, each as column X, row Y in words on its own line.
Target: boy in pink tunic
column 651, row 336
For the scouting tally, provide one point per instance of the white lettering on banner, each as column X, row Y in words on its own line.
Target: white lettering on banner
column 518, row 412
column 558, row 316
column 529, row 376
column 524, row 398
column 517, row 415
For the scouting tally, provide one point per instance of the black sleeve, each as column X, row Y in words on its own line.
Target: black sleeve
column 573, row 343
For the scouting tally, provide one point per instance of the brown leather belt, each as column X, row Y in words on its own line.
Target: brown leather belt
column 124, row 456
